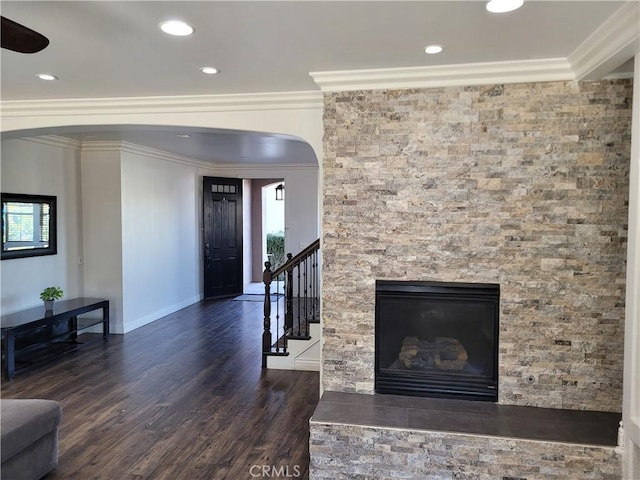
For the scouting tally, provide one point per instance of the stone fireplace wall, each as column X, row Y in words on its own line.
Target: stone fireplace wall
column 524, row 185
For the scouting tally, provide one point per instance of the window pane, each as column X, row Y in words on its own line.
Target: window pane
column 20, row 222
column 44, row 222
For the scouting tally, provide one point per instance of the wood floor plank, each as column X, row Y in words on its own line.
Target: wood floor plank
column 182, row 398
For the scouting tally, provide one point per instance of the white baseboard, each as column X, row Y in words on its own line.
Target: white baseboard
column 158, row 314
column 307, row 365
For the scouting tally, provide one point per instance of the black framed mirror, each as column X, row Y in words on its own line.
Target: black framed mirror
column 28, row 225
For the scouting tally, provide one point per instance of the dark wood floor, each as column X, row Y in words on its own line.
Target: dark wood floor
column 182, row 398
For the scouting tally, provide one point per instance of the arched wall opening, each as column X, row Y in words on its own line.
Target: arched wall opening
column 107, row 185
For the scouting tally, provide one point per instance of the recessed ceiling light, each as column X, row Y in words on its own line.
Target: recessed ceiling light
column 177, row 28
column 209, row 70
column 504, row 6
column 433, row 49
column 46, row 76
column 183, row 135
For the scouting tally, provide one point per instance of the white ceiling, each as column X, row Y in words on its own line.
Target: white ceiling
column 103, row 49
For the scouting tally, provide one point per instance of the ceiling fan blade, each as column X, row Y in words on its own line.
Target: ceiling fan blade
column 19, row 38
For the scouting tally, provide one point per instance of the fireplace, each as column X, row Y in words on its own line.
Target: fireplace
column 437, row 339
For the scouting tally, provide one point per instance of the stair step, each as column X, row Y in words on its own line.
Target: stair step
column 277, row 354
column 304, row 355
column 299, row 332
column 298, row 337
column 280, row 342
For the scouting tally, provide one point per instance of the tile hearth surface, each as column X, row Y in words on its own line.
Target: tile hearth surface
column 468, row 417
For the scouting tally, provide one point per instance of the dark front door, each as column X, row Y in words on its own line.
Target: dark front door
column 222, row 207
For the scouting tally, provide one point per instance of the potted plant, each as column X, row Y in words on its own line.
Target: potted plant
column 50, row 294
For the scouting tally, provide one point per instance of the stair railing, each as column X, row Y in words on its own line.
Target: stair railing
column 300, row 288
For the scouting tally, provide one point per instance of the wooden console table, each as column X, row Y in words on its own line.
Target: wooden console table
column 36, row 334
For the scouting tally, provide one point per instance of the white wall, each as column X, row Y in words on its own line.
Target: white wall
column 102, row 228
column 44, row 167
column 160, row 237
column 301, row 227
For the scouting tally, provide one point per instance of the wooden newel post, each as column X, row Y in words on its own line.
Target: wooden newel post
column 266, row 334
column 288, row 315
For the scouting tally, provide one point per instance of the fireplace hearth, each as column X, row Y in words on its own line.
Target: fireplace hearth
column 437, row 339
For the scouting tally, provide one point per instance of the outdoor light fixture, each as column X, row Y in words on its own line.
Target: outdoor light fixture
column 280, row 192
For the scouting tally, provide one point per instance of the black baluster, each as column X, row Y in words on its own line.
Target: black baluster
column 289, row 296
column 314, row 292
column 298, row 300
column 284, row 326
column 266, row 334
column 306, row 297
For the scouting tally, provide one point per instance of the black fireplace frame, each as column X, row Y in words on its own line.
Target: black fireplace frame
column 448, row 385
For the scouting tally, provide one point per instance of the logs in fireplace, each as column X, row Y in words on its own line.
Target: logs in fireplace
column 437, row 339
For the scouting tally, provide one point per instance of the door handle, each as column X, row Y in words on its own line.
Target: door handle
column 206, row 251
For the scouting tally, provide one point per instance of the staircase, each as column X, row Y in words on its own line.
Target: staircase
column 292, row 312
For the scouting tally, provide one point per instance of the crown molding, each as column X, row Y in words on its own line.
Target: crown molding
column 135, row 149
column 243, row 170
column 101, row 146
column 53, row 141
column 610, row 45
column 553, row 69
column 618, row 76
column 163, row 104
column 261, row 170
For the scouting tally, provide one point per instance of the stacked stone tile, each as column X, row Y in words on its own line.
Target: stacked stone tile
column 344, row 452
column 523, row 185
